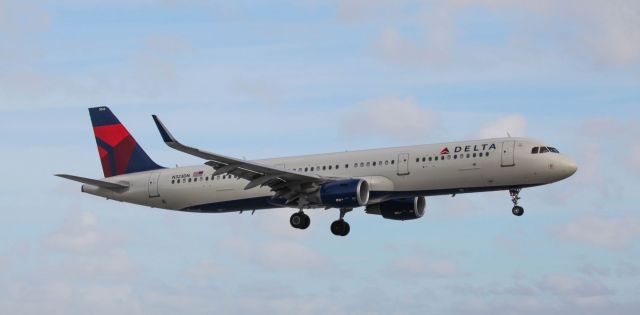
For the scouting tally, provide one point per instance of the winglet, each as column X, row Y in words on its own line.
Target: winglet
column 164, row 132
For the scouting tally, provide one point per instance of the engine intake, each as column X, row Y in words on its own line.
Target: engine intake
column 346, row 193
column 400, row 209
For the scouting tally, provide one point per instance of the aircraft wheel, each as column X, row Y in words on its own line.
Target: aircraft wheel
column 297, row 220
column 306, row 221
column 517, row 211
column 340, row 228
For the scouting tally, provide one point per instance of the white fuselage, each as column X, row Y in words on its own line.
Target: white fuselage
column 469, row 166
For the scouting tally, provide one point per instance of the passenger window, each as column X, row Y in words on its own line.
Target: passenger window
column 474, row 155
column 468, row 155
column 486, row 154
column 324, row 168
column 380, row 163
column 393, row 162
column 455, row 156
column 417, row 160
column 355, row 165
column 535, row 150
column 330, row 166
column 437, row 158
column 189, row 179
column 544, row 150
column 368, row 164
column 480, row 154
column 361, row 164
column 173, row 181
column 374, row 163
column 386, row 162
column 312, row 168
column 337, row 166
column 430, row 159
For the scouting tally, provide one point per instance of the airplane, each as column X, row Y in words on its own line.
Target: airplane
column 389, row 182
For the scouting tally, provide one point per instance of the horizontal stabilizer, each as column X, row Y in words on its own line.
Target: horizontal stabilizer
column 95, row 182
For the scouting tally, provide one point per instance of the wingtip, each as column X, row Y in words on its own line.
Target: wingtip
column 164, row 133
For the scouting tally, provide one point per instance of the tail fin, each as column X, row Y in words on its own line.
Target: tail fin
column 119, row 152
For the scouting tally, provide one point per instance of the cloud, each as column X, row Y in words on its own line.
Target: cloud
column 634, row 159
column 276, row 254
column 412, row 267
column 18, row 18
column 80, row 233
column 600, row 231
column 391, row 118
column 515, row 125
column 600, row 33
column 570, row 286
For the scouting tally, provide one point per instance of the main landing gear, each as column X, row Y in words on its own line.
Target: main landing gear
column 341, row 227
column 515, row 196
column 300, row 220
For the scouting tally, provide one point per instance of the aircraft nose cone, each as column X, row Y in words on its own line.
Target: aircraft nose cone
column 570, row 167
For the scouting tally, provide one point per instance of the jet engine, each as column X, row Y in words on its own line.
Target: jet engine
column 346, row 193
column 399, row 209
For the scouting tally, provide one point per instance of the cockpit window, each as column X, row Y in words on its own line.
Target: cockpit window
column 554, row 150
column 535, row 150
column 544, row 150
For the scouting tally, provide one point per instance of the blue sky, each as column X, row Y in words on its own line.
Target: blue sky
column 278, row 78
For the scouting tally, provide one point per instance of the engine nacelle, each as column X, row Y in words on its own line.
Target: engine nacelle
column 346, row 193
column 400, row 209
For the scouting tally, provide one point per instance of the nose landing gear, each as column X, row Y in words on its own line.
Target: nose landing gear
column 515, row 196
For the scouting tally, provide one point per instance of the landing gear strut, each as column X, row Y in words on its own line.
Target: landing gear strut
column 300, row 220
column 340, row 227
column 515, row 196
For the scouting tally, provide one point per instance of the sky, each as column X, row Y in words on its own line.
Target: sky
column 260, row 79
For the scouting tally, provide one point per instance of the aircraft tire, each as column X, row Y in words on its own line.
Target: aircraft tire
column 517, row 211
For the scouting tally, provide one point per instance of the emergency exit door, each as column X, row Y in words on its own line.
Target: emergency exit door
column 403, row 164
column 508, row 147
column 153, row 185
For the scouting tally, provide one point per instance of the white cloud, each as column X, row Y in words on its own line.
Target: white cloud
column 600, row 33
column 569, row 286
column 276, row 254
column 77, row 234
column 635, row 157
column 416, row 267
column 600, row 231
column 391, row 118
column 515, row 125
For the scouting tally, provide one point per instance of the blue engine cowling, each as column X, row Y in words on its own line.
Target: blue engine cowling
column 399, row 209
column 346, row 193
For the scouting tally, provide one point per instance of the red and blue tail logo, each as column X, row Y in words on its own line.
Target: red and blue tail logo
column 119, row 151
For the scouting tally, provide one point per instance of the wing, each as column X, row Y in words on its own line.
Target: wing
column 286, row 184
